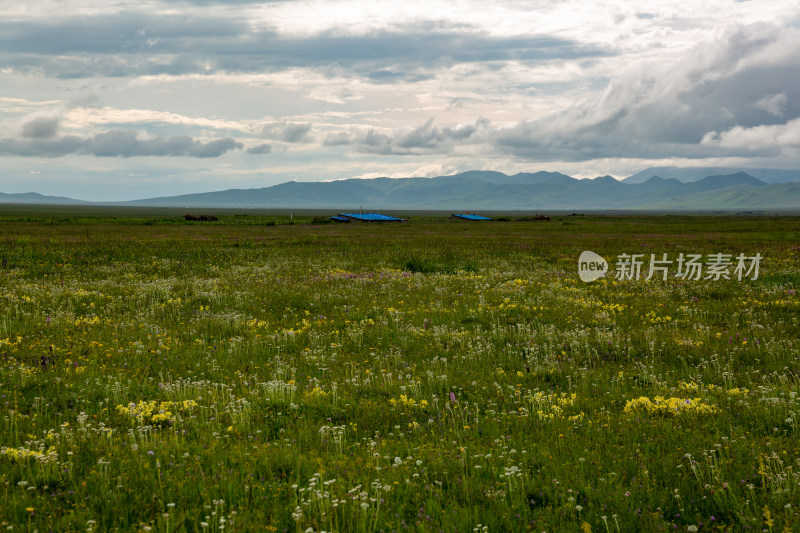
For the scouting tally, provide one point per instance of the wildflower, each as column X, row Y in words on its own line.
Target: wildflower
column 767, row 517
column 668, row 406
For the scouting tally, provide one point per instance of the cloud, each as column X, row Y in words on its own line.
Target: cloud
column 130, row 44
column 263, row 148
column 360, row 86
column 741, row 86
column 429, row 170
column 758, row 140
column 118, row 143
column 213, row 148
column 289, row 132
column 742, row 82
column 58, row 147
column 337, row 139
column 425, row 136
column 130, row 143
column 422, row 139
column 774, row 105
column 41, row 124
column 294, row 133
column 229, row 2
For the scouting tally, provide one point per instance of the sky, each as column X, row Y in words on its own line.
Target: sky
column 121, row 100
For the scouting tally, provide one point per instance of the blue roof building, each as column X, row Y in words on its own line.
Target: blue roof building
column 470, row 217
column 370, row 217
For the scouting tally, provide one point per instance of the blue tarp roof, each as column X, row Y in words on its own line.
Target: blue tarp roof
column 372, row 217
column 340, row 219
column 471, row 217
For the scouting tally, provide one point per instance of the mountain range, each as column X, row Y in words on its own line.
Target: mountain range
column 686, row 174
column 676, row 189
column 38, row 199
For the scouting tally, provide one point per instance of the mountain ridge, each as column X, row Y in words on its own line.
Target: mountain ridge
column 39, row 199
column 689, row 174
column 496, row 190
column 481, row 189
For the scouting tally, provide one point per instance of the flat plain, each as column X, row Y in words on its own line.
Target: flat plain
column 269, row 372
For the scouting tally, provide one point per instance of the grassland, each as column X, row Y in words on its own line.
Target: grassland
column 257, row 375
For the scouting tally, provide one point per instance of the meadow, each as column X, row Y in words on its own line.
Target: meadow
column 267, row 373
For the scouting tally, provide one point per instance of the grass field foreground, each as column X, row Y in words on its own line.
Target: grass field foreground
column 433, row 376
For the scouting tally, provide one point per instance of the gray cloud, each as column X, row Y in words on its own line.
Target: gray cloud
column 707, row 105
column 118, row 144
column 263, row 148
column 425, row 136
column 294, row 133
column 718, row 87
column 40, row 124
column 376, row 143
column 69, row 144
column 132, row 44
column 422, row 139
column 337, row 139
column 128, row 144
column 117, row 33
column 213, row 148
column 290, row 132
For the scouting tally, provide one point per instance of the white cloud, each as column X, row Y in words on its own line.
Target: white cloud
column 774, row 105
column 430, row 170
column 89, row 117
column 770, row 138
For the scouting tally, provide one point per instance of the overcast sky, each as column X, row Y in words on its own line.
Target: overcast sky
column 119, row 100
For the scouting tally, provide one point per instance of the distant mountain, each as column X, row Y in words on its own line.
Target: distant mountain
column 444, row 192
column 713, row 183
column 687, row 174
column 657, row 183
column 36, row 198
column 489, row 190
column 773, row 196
column 495, row 190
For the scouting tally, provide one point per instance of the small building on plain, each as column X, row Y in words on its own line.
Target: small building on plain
column 468, row 217
column 369, row 217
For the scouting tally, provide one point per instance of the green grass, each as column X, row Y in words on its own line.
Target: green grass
column 432, row 376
